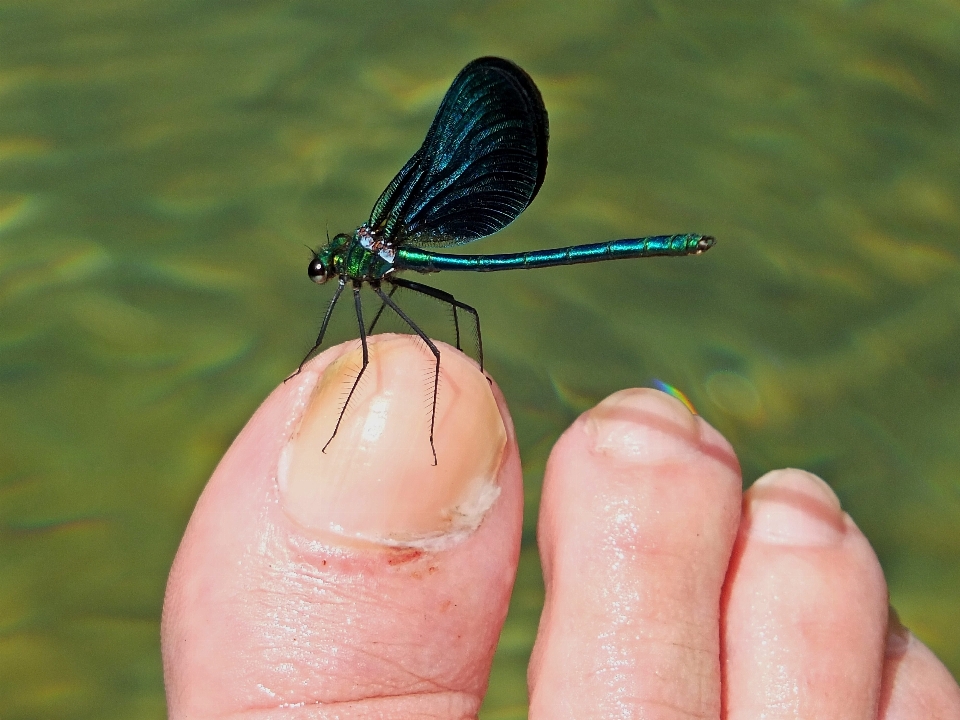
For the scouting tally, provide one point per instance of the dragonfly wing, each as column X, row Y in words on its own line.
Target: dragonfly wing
column 481, row 164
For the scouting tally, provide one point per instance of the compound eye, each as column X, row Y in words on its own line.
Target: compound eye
column 317, row 272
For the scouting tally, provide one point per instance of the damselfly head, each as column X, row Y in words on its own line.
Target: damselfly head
column 317, row 271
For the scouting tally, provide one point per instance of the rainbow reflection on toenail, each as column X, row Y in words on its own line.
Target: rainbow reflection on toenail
column 671, row 390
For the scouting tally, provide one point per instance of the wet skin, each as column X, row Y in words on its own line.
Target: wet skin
column 311, row 587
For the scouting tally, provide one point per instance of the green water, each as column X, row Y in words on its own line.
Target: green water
column 163, row 163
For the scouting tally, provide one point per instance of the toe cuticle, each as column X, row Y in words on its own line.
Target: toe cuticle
column 644, row 426
column 793, row 507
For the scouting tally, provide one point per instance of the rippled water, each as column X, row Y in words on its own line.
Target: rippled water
column 163, row 163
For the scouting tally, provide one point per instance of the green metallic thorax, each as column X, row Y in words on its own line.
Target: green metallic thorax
column 358, row 257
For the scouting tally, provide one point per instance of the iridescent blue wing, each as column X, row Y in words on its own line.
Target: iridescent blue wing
column 481, row 164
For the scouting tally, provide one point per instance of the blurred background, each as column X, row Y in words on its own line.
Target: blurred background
column 163, row 164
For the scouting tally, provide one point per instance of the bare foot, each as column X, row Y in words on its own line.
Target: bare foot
column 365, row 583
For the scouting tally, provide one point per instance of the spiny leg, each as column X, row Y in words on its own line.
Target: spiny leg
column 433, row 348
column 366, row 360
column 433, row 293
column 383, row 306
column 446, row 297
column 323, row 327
column 393, row 289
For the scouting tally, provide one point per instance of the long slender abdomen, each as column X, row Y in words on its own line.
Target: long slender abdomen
column 409, row 258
